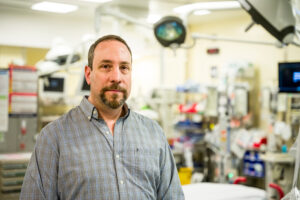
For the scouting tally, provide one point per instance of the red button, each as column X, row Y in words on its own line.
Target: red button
column 23, row 131
column 22, row 146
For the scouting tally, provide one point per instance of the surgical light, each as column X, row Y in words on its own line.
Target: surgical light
column 170, row 30
column 54, row 7
column 274, row 15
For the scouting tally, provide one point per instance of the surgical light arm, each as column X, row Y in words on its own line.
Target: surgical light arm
column 276, row 17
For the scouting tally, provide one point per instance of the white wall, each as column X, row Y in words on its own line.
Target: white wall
column 265, row 58
column 36, row 29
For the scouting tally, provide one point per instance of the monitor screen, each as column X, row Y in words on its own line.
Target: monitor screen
column 83, row 89
column 54, row 84
column 53, row 89
column 289, row 77
column 84, row 85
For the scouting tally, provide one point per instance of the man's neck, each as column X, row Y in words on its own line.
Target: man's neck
column 109, row 115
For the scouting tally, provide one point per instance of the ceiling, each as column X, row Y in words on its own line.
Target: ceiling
column 134, row 8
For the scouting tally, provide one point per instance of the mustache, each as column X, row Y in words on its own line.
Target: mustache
column 114, row 87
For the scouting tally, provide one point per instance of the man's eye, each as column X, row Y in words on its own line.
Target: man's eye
column 105, row 66
column 124, row 67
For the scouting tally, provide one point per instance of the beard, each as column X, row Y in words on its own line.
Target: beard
column 114, row 101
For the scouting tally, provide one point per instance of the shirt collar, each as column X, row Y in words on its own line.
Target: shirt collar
column 90, row 110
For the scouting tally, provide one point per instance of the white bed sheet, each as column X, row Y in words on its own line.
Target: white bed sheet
column 218, row 191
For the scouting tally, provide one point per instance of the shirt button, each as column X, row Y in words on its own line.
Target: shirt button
column 107, row 132
column 94, row 112
column 121, row 182
column 117, row 156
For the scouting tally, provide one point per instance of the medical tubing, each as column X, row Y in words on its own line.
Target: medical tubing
column 278, row 189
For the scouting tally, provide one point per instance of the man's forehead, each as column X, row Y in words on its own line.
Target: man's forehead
column 111, row 43
column 117, row 46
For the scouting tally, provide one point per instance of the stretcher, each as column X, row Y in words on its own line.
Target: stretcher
column 218, row 191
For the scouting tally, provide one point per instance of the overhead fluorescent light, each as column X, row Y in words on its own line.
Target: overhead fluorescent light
column 97, row 1
column 54, row 7
column 201, row 12
column 218, row 5
column 153, row 18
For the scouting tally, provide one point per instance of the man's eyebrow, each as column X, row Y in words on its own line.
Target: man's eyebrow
column 106, row 61
column 125, row 63
column 109, row 61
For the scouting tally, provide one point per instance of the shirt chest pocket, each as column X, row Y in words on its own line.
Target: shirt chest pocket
column 141, row 160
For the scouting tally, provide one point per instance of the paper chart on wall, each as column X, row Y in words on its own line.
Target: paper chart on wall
column 4, row 82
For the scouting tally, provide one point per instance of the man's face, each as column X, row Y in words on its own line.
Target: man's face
column 110, row 78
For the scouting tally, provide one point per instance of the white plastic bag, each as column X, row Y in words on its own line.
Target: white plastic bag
column 292, row 195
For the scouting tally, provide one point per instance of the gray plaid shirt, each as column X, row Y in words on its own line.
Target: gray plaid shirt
column 76, row 157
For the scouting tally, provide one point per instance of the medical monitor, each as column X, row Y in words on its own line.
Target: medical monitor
column 54, row 84
column 83, row 89
column 289, row 77
column 53, row 88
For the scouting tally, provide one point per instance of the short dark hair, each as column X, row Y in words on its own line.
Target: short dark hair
column 104, row 38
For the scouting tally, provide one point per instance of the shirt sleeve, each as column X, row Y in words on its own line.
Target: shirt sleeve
column 40, row 181
column 169, row 187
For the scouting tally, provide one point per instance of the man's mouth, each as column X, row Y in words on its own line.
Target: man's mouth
column 113, row 90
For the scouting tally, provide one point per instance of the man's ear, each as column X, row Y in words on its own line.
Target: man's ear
column 87, row 74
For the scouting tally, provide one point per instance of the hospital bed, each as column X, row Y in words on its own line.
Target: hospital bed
column 218, row 191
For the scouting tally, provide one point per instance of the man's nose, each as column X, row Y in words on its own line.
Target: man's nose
column 115, row 75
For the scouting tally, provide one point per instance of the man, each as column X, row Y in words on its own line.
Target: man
column 101, row 149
